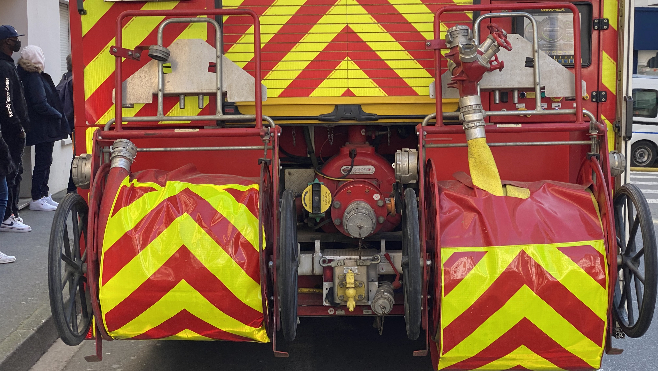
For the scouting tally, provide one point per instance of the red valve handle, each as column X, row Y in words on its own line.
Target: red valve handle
column 500, row 36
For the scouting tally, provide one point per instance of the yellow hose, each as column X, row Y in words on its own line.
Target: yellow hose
column 482, row 165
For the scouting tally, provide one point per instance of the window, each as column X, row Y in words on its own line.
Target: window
column 64, row 35
column 645, row 103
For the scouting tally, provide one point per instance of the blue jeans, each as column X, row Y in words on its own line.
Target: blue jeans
column 3, row 195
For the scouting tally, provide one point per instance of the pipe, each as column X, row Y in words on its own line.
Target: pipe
column 508, row 7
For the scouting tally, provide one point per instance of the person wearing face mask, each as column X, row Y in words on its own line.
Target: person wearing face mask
column 14, row 123
column 47, row 122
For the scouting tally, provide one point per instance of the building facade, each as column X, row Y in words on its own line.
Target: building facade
column 45, row 23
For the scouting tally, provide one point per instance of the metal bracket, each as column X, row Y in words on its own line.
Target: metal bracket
column 348, row 112
column 599, row 96
column 81, row 8
column 436, row 44
column 601, row 24
column 126, row 53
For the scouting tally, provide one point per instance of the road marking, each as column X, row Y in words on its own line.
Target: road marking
column 652, row 200
column 644, row 176
column 650, row 191
column 645, row 183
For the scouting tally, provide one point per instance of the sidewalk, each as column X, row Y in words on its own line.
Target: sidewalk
column 26, row 328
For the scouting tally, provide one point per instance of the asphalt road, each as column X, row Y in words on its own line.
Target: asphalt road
column 322, row 344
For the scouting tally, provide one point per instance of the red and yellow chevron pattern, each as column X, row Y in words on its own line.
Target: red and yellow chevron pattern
column 528, row 291
column 180, row 259
column 333, row 48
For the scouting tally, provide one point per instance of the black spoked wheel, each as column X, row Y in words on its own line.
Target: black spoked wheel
column 287, row 265
column 70, row 301
column 411, row 268
column 635, row 289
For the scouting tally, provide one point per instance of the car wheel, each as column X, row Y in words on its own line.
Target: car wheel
column 643, row 154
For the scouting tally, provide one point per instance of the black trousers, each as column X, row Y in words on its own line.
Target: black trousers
column 16, row 146
column 43, row 158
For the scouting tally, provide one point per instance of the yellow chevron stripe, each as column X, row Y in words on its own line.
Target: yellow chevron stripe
column 464, row 295
column 295, row 62
column 386, row 47
column 183, row 231
column 272, row 20
column 96, row 9
column 135, row 31
column 197, row 305
column 540, row 314
column 610, row 12
column 359, row 82
column 611, row 134
column 521, row 356
column 609, row 72
column 574, row 278
column 89, row 139
column 236, row 213
column 187, row 335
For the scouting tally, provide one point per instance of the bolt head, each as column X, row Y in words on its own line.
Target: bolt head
column 336, row 204
column 380, row 203
column 381, row 219
column 337, row 221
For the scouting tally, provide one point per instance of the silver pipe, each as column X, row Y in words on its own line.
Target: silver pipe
column 218, row 60
column 511, row 144
column 535, row 47
column 200, row 101
column 109, row 124
column 515, row 96
column 188, row 149
column 496, row 96
column 181, row 101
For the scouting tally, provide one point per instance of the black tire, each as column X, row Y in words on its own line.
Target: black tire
column 411, row 267
column 643, row 153
column 67, row 269
column 636, row 268
column 287, row 266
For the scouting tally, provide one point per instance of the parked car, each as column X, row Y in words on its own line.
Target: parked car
column 644, row 143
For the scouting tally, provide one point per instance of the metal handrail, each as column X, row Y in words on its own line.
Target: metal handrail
column 118, row 91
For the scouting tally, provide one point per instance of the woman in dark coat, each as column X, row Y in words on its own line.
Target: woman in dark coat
column 48, row 123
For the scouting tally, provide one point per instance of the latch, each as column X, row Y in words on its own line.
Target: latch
column 348, row 112
column 599, row 96
column 601, row 23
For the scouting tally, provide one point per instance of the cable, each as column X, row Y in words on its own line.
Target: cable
column 352, row 156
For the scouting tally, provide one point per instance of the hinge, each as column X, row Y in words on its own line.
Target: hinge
column 599, row 96
column 601, row 23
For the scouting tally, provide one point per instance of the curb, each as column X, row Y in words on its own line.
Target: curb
column 29, row 342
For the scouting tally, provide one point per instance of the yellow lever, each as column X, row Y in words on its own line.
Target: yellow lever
column 350, row 292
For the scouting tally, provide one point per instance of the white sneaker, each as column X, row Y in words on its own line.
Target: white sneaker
column 13, row 225
column 42, row 205
column 4, row 259
column 50, row 200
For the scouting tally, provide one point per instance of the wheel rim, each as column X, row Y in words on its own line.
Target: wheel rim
column 67, row 267
column 641, row 156
column 287, row 265
column 411, row 270
column 635, row 289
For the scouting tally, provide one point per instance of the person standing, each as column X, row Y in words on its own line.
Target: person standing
column 65, row 92
column 47, row 122
column 14, row 122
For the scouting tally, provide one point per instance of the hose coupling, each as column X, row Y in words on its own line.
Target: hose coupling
column 123, row 153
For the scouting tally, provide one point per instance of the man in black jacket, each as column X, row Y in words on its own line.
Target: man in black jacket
column 14, row 122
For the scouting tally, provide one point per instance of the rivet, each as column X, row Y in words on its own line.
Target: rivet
column 337, row 221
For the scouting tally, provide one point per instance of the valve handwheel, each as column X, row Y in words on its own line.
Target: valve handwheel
column 500, row 36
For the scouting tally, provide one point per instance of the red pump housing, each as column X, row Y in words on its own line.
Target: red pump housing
column 361, row 200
